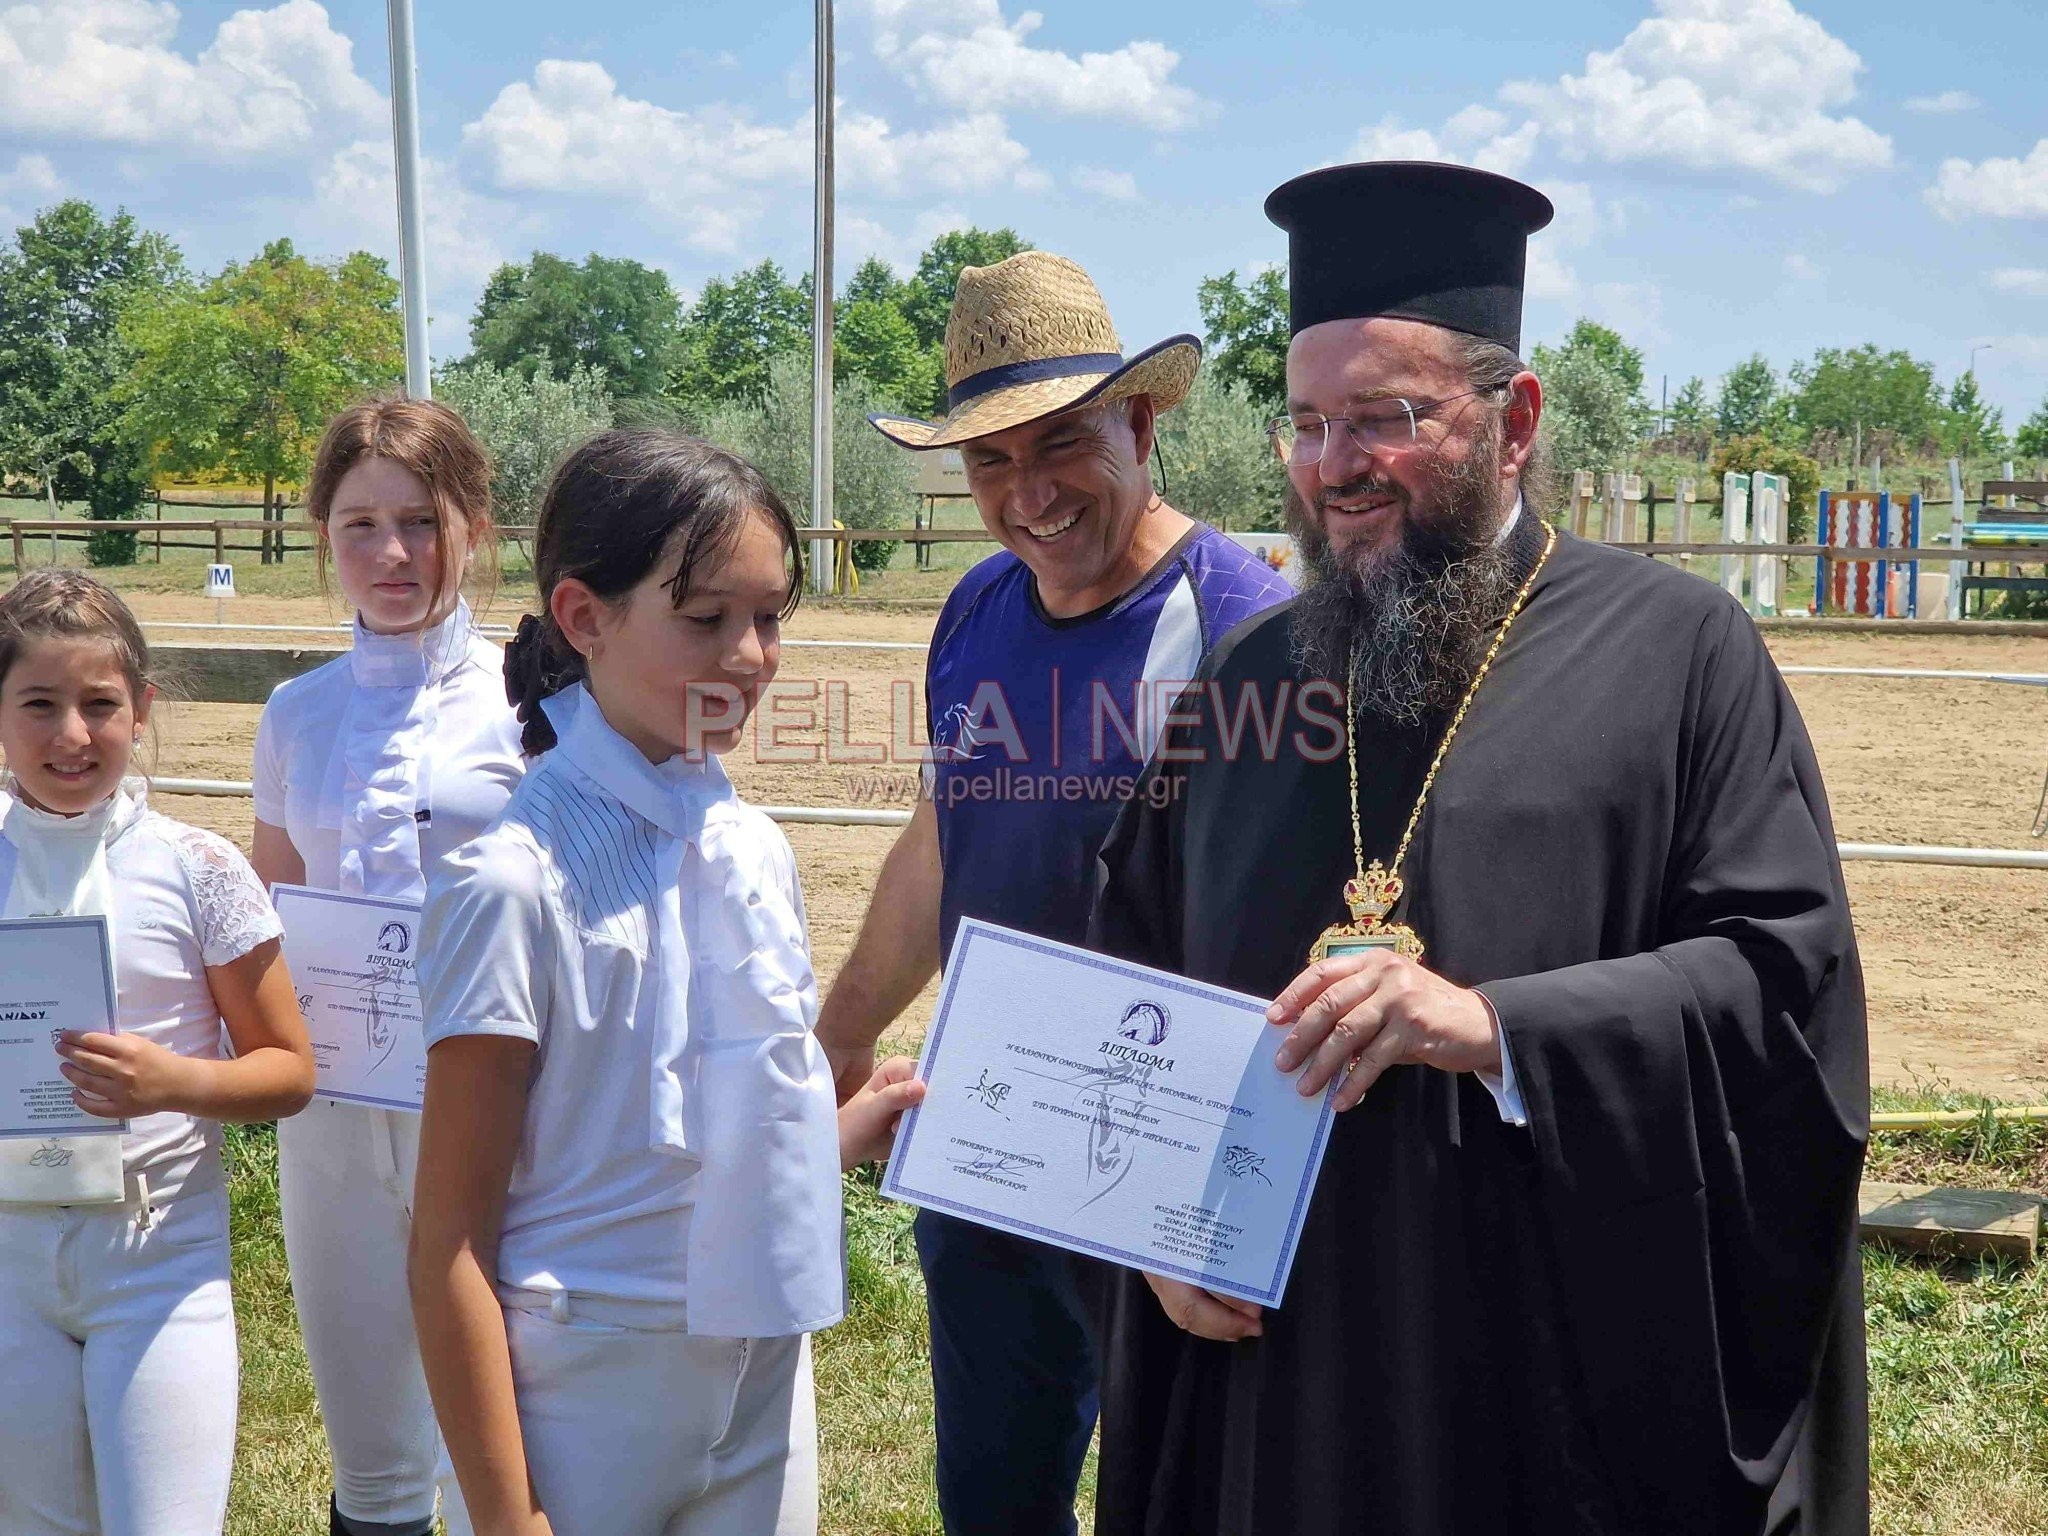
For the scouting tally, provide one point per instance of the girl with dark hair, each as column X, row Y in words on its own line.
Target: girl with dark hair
column 628, row 1212
column 117, row 1331
column 370, row 771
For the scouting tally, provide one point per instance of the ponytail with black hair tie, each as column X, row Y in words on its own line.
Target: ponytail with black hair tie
column 534, row 669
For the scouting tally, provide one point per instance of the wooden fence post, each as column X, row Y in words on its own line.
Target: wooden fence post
column 220, row 543
column 20, row 550
column 1582, row 503
column 1631, row 508
column 1681, row 513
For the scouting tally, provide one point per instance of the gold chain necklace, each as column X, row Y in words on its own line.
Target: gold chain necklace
column 1373, row 891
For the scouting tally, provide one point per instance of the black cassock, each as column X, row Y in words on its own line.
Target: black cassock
column 1640, row 1313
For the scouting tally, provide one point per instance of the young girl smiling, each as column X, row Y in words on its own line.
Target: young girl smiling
column 370, row 772
column 629, row 1209
column 117, row 1333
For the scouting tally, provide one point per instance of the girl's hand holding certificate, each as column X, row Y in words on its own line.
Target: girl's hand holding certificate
column 867, row 1121
column 123, row 1077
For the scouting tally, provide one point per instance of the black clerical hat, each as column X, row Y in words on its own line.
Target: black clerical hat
column 1441, row 243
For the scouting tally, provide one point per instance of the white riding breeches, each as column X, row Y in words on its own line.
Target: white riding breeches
column 117, row 1367
column 652, row 1432
column 345, row 1174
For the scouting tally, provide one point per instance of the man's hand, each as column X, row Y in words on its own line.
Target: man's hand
column 1376, row 1010
column 1205, row 1314
column 122, row 1077
column 852, row 1065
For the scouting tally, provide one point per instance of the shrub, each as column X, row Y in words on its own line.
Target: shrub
column 1745, row 455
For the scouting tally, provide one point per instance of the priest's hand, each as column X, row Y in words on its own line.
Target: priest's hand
column 1205, row 1314
column 1357, row 1015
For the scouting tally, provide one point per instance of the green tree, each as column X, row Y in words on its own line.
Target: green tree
column 1593, row 398
column 1971, row 427
column 1750, row 399
column 1245, row 325
column 1218, row 465
column 1743, row 455
column 874, row 280
column 1690, row 410
column 609, row 314
column 873, row 481
column 2032, row 440
column 929, row 296
column 1843, row 390
column 731, row 332
column 241, row 373
column 65, row 281
column 1606, row 347
column 526, row 424
column 872, row 339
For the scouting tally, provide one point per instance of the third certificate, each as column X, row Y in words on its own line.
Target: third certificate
column 1112, row 1109
column 352, row 959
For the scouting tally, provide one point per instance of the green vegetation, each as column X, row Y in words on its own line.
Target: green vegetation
column 1958, row 1351
column 240, row 374
column 65, row 284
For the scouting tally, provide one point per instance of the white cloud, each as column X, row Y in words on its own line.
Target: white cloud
column 1580, row 220
column 1998, row 188
column 2028, row 280
column 964, row 54
column 708, row 170
column 272, row 82
column 1801, row 267
column 1116, row 186
column 898, row 241
column 1715, row 86
column 357, row 195
column 1946, row 101
column 32, row 180
column 1476, row 136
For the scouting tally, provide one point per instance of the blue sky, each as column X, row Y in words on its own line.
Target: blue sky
column 1731, row 175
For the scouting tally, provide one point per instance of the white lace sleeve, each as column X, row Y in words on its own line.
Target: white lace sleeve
column 235, row 914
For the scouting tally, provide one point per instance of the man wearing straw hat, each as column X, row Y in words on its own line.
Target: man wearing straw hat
column 1051, row 668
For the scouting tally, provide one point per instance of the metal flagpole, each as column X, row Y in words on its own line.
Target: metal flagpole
column 405, row 155
column 821, row 304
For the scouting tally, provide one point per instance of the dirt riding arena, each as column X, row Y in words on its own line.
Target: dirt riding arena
column 1956, row 959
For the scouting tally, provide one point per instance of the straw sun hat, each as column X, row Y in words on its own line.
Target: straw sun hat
column 1030, row 337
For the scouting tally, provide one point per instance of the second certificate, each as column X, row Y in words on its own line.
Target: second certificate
column 353, row 961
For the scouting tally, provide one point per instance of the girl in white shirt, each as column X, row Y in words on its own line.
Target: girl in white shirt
column 628, row 1213
column 370, row 772
column 117, row 1333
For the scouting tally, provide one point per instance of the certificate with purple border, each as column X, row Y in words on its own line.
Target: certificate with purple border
column 352, row 959
column 56, row 973
column 1115, row 1110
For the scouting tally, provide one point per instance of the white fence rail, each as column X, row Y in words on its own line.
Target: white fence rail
column 849, row 816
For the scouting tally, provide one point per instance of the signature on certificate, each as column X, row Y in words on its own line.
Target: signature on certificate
column 989, row 1161
column 990, row 1095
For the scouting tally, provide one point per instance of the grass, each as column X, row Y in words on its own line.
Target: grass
column 1958, row 1350
column 1958, row 1361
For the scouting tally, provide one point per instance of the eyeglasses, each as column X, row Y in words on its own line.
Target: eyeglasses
column 1385, row 430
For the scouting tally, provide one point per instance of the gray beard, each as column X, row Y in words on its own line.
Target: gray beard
column 1408, row 625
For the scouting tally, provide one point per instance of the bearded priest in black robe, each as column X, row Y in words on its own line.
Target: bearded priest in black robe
column 1582, row 1257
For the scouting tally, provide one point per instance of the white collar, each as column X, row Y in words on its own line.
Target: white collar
column 673, row 796
column 1508, row 524
column 415, row 659
column 105, row 822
